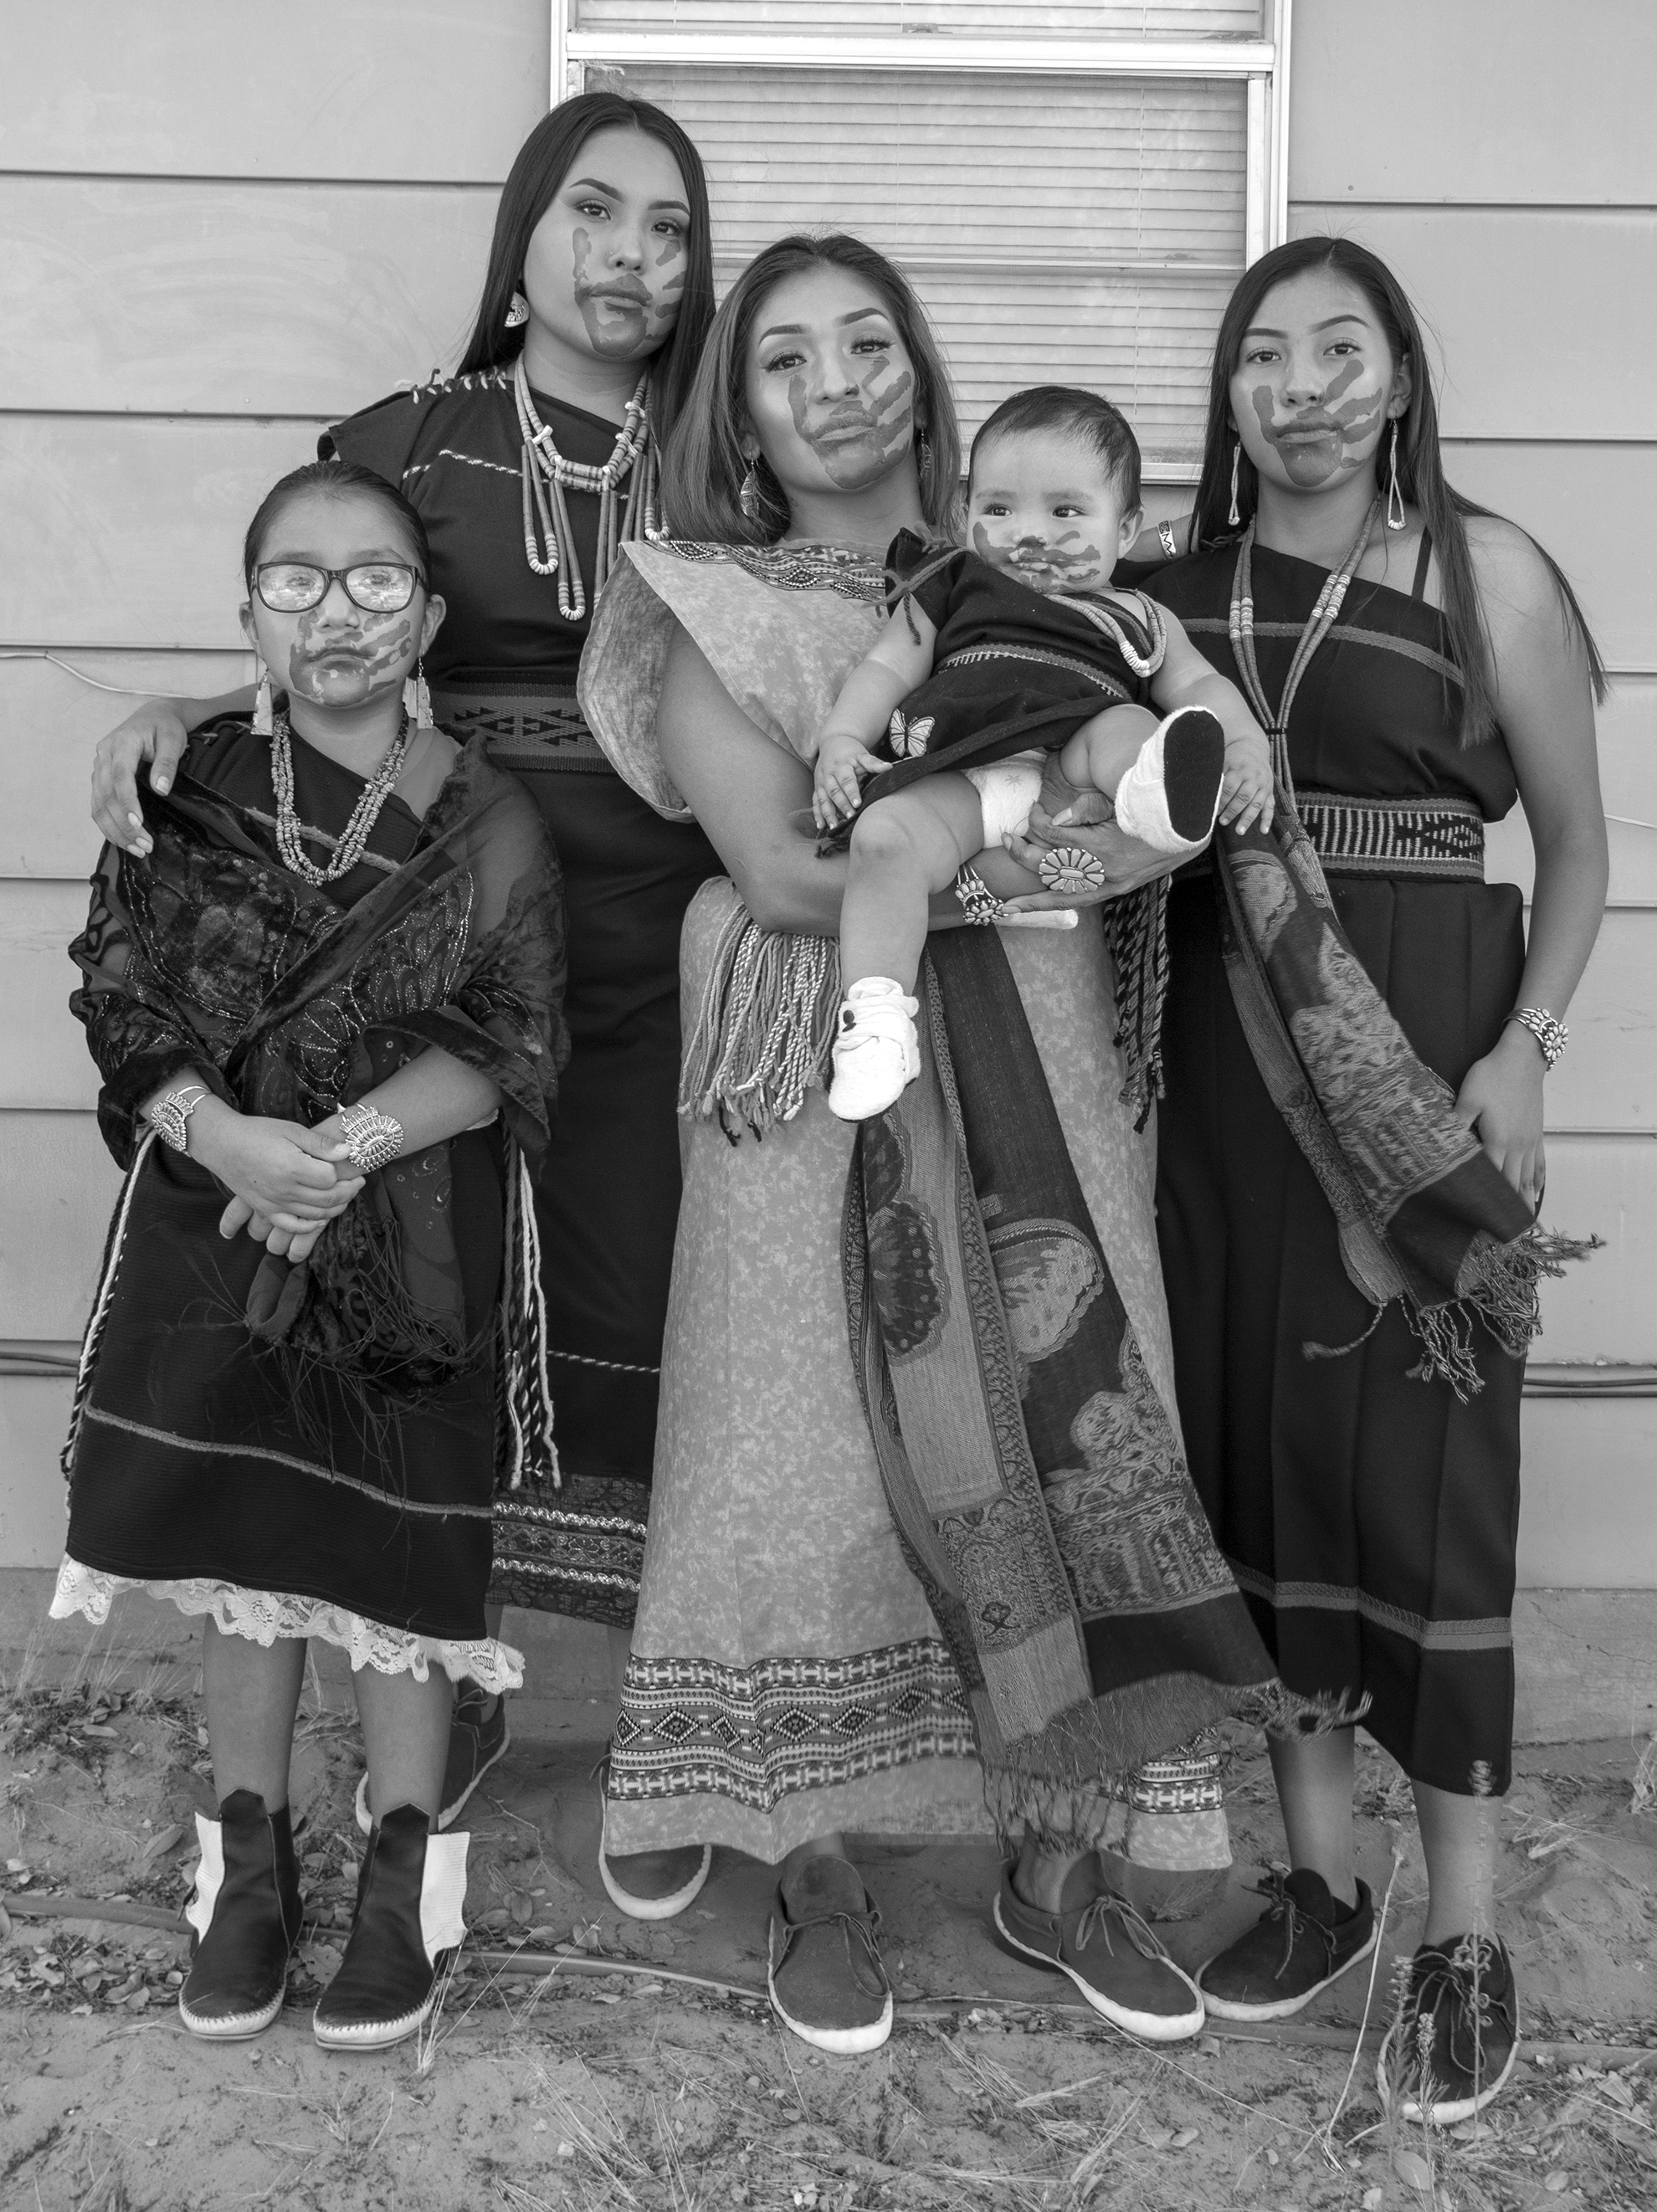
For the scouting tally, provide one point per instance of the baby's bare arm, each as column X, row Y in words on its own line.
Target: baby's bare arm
column 901, row 659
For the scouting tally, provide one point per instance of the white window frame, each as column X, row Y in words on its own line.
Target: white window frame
column 1262, row 61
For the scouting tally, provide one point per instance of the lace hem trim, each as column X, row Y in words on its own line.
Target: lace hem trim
column 262, row 1616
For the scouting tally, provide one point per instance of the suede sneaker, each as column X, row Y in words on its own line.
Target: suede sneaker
column 1301, row 1943
column 1455, row 2043
column 827, row 1980
column 1109, row 1950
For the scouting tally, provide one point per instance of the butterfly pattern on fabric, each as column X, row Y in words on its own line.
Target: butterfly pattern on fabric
column 908, row 736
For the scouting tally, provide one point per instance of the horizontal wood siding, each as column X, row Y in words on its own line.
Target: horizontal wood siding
column 221, row 231
column 218, row 239
column 1498, row 154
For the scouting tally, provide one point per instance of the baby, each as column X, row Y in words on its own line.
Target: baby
column 993, row 658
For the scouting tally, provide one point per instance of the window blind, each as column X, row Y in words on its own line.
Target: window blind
column 1075, row 19
column 1072, row 228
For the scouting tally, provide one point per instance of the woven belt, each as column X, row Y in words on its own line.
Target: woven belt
column 524, row 729
column 970, row 654
column 1432, row 838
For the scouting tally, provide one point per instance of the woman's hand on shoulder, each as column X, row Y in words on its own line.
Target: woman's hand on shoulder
column 157, row 733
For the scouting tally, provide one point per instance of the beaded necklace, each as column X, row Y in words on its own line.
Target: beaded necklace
column 353, row 842
column 547, row 471
column 1319, row 624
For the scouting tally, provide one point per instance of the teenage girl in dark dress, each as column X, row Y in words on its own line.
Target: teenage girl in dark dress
column 1370, row 1518
column 599, row 285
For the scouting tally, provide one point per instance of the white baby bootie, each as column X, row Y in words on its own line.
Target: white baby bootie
column 1168, row 799
column 877, row 1052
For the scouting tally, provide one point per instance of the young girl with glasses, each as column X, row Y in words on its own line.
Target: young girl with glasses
column 325, row 1007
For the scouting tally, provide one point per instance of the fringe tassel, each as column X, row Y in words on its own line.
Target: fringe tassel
column 764, row 1029
column 91, row 1342
column 527, row 1451
column 1503, row 1289
column 1136, row 930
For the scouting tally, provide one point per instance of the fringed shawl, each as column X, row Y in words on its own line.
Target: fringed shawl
column 209, row 954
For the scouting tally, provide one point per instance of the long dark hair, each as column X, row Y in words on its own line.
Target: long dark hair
column 339, row 480
column 703, row 466
column 1420, row 464
column 543, row 161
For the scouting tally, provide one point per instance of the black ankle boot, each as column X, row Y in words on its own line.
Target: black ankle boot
column 245, row 1913
column 408, row 1923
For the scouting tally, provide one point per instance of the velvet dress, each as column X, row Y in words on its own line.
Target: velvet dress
column 504, row 663
column 1370, row 1518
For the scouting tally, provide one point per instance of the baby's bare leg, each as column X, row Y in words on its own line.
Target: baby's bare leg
column 903, row 849
column 1101, row 753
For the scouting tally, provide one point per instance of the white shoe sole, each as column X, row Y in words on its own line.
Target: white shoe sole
column 377, row 2034
column 238, row 2027
column 1149, row 2026
column 1410, row 2109
column 655, row 1908
column 839, row 2042
column 1282, row 2007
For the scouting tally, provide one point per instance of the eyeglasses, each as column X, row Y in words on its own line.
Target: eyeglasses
column 378, row 588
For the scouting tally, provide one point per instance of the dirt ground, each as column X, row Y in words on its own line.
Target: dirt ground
column 571, row 2065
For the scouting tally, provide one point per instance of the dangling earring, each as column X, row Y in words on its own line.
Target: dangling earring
column 417, row 698
column 264, row 719
column 518, row 312
column 748, row 497
column 923, row 451
column 1395, row 515
column 1233, row 517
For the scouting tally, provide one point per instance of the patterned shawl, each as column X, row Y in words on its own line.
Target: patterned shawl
column 1006, row 1394
column 210, row 954
column 1424, row 1215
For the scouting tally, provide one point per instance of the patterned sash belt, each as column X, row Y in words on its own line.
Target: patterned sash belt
column 1432, row 838
column 526, row 729
column 970, row 654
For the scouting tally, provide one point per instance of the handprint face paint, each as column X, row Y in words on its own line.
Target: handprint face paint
column 1314, row 383
column 1316, row 443
column 606, row 265
column 830, row 385
column 626, row 314
column 340, row 667
column 1043, row 506
column 857, row 437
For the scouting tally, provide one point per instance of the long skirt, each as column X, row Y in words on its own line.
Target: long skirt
column 275, row 1498
column 1371, row 1519
column 607, row 1191
column 787, row 1676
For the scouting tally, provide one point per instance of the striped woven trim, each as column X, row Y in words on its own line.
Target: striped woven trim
column 1343, row 633
column 1434, row 837
column 1492, row 1635
column 1096, row 677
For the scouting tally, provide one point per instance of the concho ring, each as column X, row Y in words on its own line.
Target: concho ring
column 1068, row 869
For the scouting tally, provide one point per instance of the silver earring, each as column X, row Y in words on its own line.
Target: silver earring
column 265, row 720
column 748, row 497
column 1395, row 516
column 417, row 698
column 923, row 451
column 1234, row 517
column 518, row 312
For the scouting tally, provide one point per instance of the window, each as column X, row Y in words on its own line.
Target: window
column 1074, row 188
